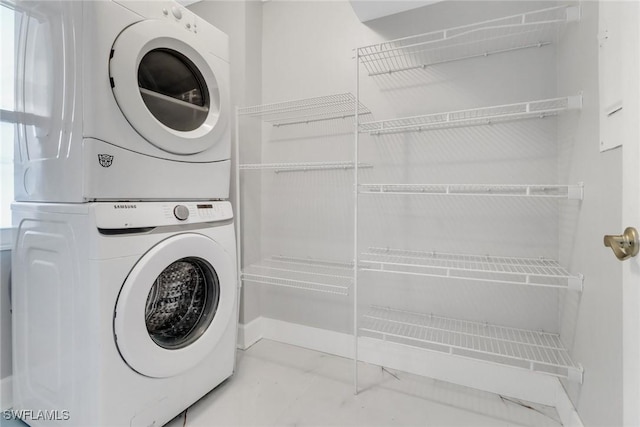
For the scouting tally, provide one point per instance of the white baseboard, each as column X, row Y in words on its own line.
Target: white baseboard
column 6, row 393
column 504, row 380
column 249, row 333
column 317, row 339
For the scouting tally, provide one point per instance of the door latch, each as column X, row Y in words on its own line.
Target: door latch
column 625, row 245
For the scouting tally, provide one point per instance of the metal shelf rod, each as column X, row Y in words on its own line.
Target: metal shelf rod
column 478, row 55
column 279, row 281
column 573, row 192
column 341, row 99
column 474, row 116
column 301, row 167
column 314, row 120
column 289, row 270
column 305, row 111
column 312, row 262
column 449, row 275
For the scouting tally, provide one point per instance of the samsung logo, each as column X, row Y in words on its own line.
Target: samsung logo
column 125, row 206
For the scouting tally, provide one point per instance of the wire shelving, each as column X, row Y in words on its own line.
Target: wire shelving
column 541, row 272
column 527, row 30
column 305, row 111
column 570, row 192
column 303, row 166
column 307, row 274
column 537, row 351
column 475, row 116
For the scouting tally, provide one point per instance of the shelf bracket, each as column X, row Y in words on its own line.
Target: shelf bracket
column 574, row 102
column 574, row 13
column 576, row 283
column 576, row 192
column 576, row 374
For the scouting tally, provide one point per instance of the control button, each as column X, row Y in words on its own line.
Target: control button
column 165, row 12
column 176, row 12
column 188, row 25
column 181, row 212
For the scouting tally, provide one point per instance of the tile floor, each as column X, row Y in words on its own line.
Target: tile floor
column 278, row 384
column 282, row 385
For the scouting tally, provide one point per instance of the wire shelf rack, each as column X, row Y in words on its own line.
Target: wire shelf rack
column 303, row 167
column 541, row 272
column 532, row 29
column 305, row 111
column 534, row 350
column 475, row 117
column 571, row 192
column 306, row 274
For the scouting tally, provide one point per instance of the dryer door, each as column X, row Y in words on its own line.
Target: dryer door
column 175, row 305
column 169, row 87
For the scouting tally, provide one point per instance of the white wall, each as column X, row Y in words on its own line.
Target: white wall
column 242, row 22
column 307, row 51
column 591, row 322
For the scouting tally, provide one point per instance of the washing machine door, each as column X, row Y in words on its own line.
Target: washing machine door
column 169, row 87
column 175, row 305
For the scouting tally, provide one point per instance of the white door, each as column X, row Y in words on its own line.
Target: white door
column 626, row 68
column 631, row 218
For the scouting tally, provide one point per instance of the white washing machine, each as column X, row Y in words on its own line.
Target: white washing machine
column 124, row 314
column 120, row 100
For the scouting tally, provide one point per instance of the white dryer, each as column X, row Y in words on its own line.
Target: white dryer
column 124, row 314
column 120, row 100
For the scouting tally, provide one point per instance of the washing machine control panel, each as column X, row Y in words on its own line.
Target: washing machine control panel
column 119, row 215
column 181, row 212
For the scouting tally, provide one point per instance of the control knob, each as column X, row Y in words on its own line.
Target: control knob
column 181, row 212
column 177, row 13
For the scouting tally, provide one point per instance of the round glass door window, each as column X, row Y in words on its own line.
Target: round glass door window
column 174, row 90
column 182, row 303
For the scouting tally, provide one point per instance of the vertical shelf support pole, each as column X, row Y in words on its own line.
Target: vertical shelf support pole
column 355, row 223
column 238, row 216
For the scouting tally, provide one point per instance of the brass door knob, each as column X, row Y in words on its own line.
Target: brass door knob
column 625, row 245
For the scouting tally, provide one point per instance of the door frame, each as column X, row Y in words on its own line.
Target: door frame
column 631, row 218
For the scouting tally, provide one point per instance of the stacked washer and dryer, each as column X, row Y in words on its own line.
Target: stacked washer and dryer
column 125, row 285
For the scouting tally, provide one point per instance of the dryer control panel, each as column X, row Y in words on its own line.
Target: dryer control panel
column 119, row 215
column 168, row 11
